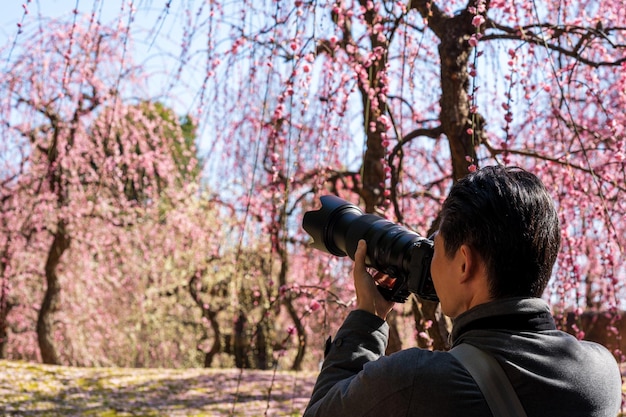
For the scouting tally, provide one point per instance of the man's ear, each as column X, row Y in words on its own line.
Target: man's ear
column 467, row 262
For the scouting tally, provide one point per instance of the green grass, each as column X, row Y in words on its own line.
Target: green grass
column 28, row 389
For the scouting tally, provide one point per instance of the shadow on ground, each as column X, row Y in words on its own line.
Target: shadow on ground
column 28, row 389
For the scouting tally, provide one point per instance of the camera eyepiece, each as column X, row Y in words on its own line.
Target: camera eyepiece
column 392, row 249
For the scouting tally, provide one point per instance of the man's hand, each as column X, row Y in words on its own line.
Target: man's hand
column 367, row 296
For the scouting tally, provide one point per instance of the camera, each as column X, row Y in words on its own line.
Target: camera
column 393, row 250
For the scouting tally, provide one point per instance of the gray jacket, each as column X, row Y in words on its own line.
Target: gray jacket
column 552, row 372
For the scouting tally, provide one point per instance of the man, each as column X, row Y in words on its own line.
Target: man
column 497, row 243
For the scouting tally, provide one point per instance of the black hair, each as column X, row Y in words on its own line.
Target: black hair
column 507, row 216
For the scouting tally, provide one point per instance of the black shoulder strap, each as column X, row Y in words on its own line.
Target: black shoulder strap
column 491, row 380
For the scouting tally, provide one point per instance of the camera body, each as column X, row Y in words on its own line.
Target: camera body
column 392, row 249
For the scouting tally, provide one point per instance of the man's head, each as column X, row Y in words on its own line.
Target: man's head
column 504, row 217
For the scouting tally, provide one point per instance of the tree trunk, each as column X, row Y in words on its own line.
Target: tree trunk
column 286, row 301
column 207, row 313
column 262, row 352
column 7, row 302
column 216, row 347
column 241, row 342
column 5, row 305
column 440, row 326
column 301, row 334
column 462, row 125
column 395, row 343
column 4, row 326
column 455, row 51
column 51, row 300
column 374, row 106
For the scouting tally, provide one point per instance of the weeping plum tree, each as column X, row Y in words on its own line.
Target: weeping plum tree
column 388, row 103
column 77, row 156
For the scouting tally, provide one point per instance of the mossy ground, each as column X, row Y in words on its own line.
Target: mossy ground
column 28, row 389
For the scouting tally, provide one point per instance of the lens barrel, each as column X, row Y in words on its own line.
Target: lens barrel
column 392, row 249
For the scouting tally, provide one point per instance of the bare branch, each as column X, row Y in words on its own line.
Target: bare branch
column 536, row 34
column 554, row 159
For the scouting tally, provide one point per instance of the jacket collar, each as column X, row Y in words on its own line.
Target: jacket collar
column 509, row 314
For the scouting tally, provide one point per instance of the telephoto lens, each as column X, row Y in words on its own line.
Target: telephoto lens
column 392, row 249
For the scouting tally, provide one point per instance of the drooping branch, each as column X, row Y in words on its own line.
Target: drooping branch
column 395, row 161
column 547, row 36
column 548, row 158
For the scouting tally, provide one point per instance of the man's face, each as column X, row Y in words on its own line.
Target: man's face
column 445, row 273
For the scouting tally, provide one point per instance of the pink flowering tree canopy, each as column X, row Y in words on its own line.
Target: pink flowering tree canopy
column 383, row 103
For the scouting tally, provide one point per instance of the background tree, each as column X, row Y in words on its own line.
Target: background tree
column 437, row 90
column 246, row 331
column 87, row 160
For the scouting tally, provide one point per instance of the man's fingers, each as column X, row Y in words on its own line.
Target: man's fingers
column 360, row 255
column 360, row 268
column 367, row 296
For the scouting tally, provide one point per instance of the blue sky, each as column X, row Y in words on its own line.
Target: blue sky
column 156, row 31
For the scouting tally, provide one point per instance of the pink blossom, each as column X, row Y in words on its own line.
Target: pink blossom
column 282, row 290
column 478, row 20
column 386, row 121
column 314, row 305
